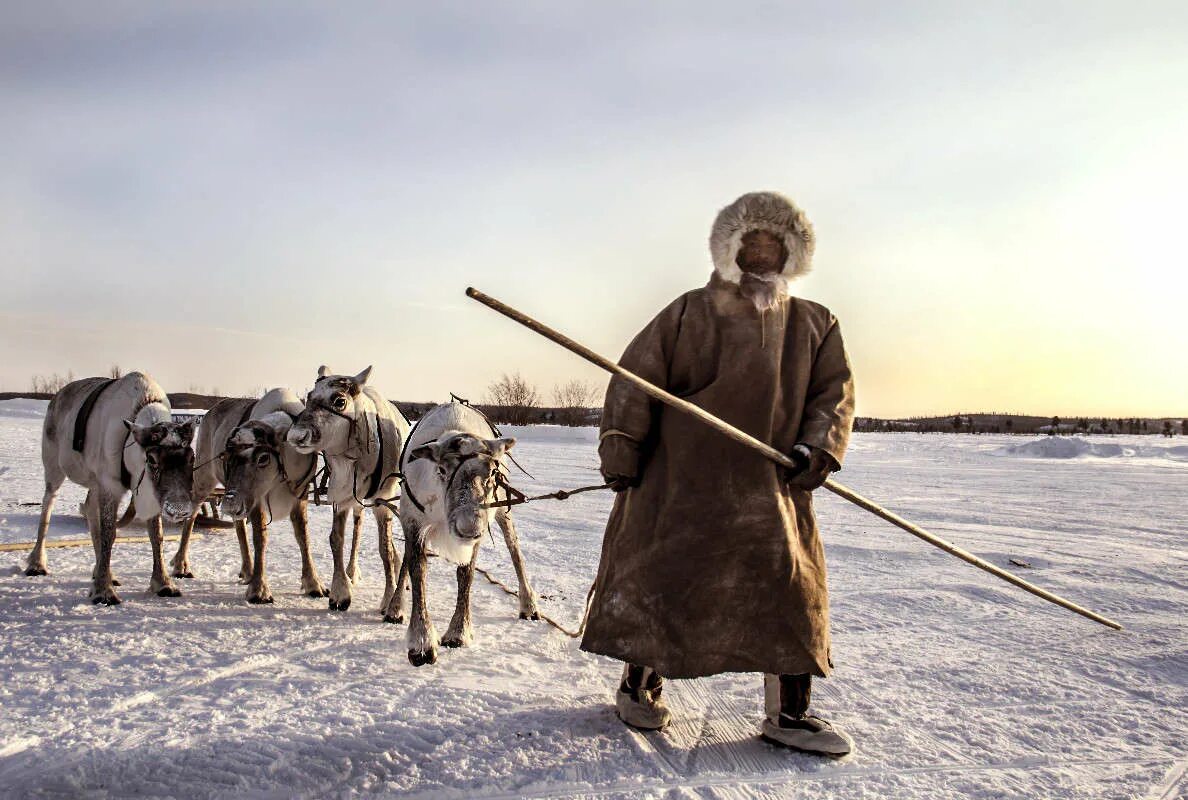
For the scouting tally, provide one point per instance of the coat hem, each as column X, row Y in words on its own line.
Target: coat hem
column 668, row 670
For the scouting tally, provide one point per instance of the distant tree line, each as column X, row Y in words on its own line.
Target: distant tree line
column 513, row 400
column 1024, row 424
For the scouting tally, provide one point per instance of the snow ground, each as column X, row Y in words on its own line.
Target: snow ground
column 953, row 684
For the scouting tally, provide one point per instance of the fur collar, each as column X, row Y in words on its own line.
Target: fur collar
column 766, row 211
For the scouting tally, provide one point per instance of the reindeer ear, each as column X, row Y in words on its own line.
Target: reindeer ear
column 186, row 430
column 323, row 372
column 279, row 431
column 466, row 445
column 141, row 434
column 429, row 451
column 500, row 446
column 362, row 377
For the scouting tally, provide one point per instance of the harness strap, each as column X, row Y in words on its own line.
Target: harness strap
column 84, row 415
column 321, row 488
column 125, row 473
column 80, row 429
column 377, row 473
column 298, row 488
column 247, row 414
column 404, row 487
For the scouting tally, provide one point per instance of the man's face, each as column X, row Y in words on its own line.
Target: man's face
column 761, row 253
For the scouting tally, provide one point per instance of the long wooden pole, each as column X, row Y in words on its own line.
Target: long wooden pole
column 775, row 455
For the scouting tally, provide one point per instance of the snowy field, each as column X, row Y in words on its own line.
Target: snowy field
column 952, row 683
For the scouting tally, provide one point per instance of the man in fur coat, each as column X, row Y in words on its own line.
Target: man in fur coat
column 712, row 561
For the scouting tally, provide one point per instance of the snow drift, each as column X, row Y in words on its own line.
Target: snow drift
column 1079, row 447
column 23, row 407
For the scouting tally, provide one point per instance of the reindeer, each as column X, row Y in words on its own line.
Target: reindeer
column 115, row 436
column 361, row 436
column 241, row 444
column 452, row 467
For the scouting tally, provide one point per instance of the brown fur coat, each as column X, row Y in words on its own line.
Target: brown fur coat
column 713, row 564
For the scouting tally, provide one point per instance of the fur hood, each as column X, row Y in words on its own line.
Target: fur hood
column 767, row 211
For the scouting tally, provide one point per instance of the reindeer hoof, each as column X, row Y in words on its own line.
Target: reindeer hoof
column 420, row 659
column 35, row 571
column 340, row 606
column 453, row 642
column 260, row 600
column 168, row 591
column 397, row 619
column 532, row 615
column 317, row 593
column 186, row 574
column 109, row 599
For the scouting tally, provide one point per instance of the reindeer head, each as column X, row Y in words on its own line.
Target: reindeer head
column 252, row 466
column 168, row 465
column 469, row 470
column 332, row 411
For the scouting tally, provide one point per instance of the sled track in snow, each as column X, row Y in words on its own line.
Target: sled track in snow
column 1167, row 790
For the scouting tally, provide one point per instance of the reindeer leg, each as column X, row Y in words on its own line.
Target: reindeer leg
column 258, row 591
column 181, row 559
column 356, row 532
column 460, row 633
column 160, row 583
column 101, row 507
column 391, row 560
column 340, row 585
column 245, row 555
column 422, row 638
column 311, row 584
column 36, row 564
column 92, row 519
column 528, row 608
column 395, row 610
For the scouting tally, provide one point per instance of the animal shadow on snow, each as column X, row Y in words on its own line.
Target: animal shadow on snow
column 63, row 526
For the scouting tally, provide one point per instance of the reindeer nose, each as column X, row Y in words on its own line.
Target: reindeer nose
column 231, row 505
column 467, row 527
column 300, row 436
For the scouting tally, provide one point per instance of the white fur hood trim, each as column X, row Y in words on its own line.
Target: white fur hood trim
column 766, row 211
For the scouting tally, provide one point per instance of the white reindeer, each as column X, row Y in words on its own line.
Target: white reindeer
column 451, row 472
column 241, row 445
column 124, row 440
column 361, row 436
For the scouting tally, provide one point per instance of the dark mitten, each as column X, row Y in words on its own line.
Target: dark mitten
column 815, row 466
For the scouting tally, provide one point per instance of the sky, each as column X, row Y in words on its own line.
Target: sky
column 228, row 195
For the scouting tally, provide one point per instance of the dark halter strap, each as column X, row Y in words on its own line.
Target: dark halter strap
column 273, row 452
